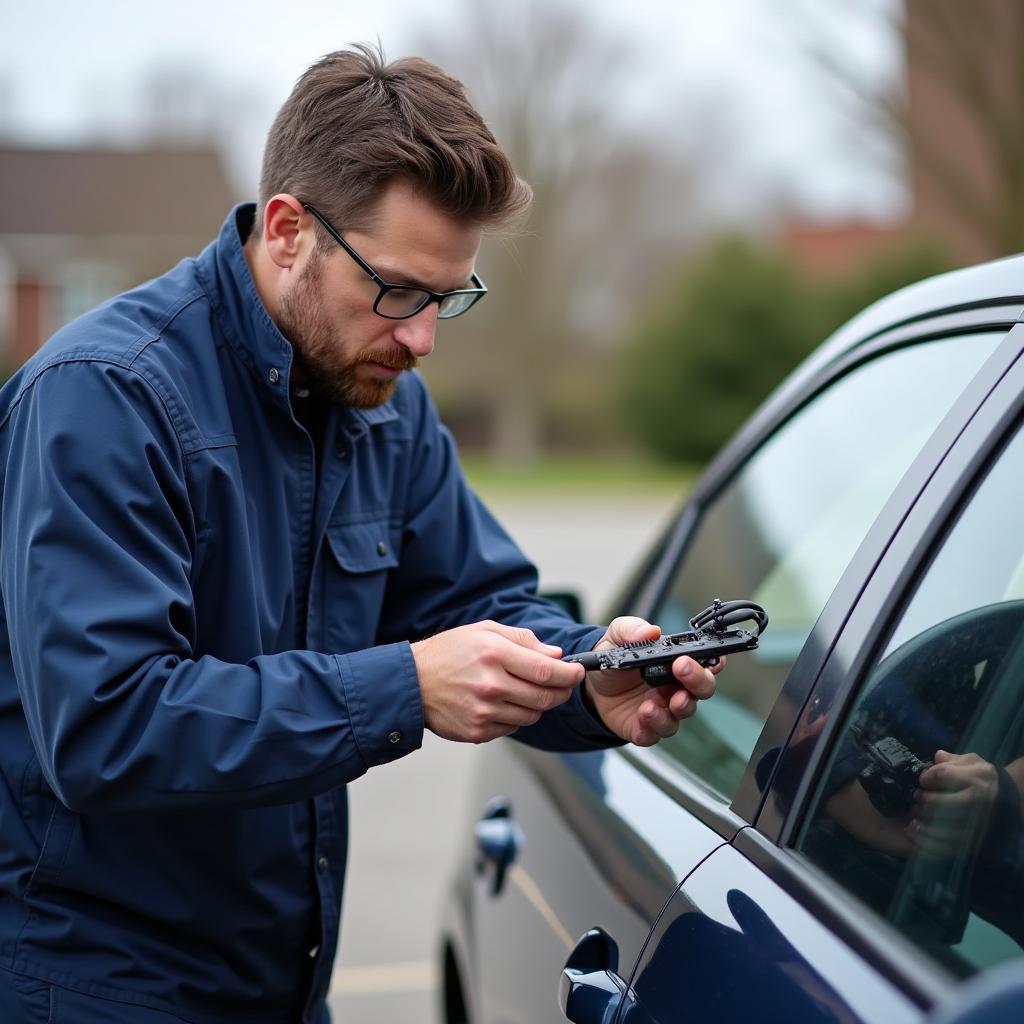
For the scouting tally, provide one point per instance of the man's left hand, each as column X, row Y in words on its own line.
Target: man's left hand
column 632, row 709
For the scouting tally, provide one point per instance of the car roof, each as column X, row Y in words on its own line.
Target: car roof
column 996, row 283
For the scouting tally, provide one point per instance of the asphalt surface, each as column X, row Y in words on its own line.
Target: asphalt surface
column 408, row 817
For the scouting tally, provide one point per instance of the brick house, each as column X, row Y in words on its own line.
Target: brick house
column 80, row 225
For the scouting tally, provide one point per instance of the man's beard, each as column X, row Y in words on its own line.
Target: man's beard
column 319, row 349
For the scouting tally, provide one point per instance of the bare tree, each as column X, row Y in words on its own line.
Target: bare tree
column 553, row 86
column 954, row 119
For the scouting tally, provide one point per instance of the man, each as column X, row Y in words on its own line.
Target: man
column 240, row 566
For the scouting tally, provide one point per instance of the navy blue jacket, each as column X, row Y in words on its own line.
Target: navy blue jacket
column 204, row 640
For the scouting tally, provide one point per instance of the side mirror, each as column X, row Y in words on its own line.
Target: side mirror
column 568, row 601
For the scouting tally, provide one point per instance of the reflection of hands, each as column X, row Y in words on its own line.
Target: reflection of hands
column 852, row 809
column 953, row 804
column 809, row 724
column 637, row 712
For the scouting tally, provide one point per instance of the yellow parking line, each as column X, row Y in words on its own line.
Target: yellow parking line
column 529, row 888
column 373, row 979
column 422, row 976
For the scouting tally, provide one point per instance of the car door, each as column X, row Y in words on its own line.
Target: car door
column 872, row 884
column 605, row 838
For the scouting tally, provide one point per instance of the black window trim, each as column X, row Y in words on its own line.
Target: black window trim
column 869, row 936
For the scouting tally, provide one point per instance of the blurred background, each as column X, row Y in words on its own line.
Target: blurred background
column 718, row 186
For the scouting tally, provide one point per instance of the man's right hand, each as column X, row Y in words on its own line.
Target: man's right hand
column 485, row 680
column 953, row 804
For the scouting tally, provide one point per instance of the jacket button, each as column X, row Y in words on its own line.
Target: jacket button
column 342, row 452
column 382, row 548
column 274, row 376
column 321, row 865
column 394, row 737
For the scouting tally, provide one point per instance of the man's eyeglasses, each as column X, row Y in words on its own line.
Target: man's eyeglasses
column 400, row 301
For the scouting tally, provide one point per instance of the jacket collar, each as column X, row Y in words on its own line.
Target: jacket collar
column 227, row 280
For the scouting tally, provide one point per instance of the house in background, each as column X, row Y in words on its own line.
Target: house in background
column 80, row 225
column 838, row 249
column 957, row 123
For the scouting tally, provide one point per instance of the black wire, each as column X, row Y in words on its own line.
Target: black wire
column 720, row 614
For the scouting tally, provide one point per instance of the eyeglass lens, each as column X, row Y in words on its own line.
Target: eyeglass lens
column 405, row 302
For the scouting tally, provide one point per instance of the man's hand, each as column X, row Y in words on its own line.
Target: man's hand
column 485, row 680
column 953, row 803
column 637, row 712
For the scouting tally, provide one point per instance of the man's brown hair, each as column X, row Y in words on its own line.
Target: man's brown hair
column 353, row 124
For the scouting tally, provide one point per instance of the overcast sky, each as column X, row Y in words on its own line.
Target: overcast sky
column 69, row 71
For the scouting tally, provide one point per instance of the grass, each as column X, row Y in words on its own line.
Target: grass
column 577, row 476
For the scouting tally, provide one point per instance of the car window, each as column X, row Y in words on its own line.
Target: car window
column 784, row 529
column 919, row 811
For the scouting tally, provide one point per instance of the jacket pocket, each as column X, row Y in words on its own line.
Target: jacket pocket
column 54, row 850
column 362, row 556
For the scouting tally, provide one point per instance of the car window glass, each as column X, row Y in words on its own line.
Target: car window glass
column 919, row 813
column 783, row 530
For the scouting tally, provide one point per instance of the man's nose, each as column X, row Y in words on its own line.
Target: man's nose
column 417, row 332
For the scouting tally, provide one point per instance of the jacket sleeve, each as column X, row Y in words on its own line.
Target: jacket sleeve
column 95, row 577
column 458, row 565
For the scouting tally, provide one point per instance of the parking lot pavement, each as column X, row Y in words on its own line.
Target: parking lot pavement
column 586, row 544
column 408, row 817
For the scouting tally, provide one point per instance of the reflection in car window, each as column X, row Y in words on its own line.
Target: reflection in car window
column 920, row 811
column 784, row 529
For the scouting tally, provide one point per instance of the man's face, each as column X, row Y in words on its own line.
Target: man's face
column 345, row 350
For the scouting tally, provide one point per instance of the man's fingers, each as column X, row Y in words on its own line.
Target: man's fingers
column 515, row 715
column 516, row 693
column 654, row 722
column 494, row 731
column 952, row 802
column 628, row 629
column 522, row 637
column 537, row 668
column 698, row 680
column 682, row 704
column 943, row 778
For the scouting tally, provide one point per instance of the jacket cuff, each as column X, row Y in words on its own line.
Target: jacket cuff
column 587, row 723
column 382, row 691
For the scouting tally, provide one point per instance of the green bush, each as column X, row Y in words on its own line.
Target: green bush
column 740, row 318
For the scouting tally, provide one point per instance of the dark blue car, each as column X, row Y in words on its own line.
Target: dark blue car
column 837, row 836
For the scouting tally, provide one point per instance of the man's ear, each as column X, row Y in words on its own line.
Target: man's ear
column 283, row 223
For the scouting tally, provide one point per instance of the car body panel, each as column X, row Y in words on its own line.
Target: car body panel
column 790, row 932
column 601, row 844
column 633, row 842
column 734, row 946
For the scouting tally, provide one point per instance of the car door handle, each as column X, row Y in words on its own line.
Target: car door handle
column 498, row 840
column 590, row 991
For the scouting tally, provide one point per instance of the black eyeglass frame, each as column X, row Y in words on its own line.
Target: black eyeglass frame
column 478, row 291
